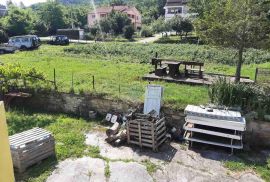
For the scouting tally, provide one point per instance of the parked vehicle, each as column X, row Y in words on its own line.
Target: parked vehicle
column 25, row 42
column 59, row 40
column 4, row 48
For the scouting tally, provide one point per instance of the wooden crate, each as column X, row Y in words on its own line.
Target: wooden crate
column 31, row 147
column 146, row 133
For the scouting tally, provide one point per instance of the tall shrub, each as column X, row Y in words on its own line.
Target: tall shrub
column 225, row 93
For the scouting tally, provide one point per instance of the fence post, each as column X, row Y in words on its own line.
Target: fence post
column 72, row 81
column 156, row 55
column 54, row 79
column 256, row 74
column 119, row 90
column 93, row 82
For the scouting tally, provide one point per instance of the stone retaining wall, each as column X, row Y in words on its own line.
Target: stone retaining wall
column 257, row 135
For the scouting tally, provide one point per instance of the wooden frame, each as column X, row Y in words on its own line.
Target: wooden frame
column 146, row 133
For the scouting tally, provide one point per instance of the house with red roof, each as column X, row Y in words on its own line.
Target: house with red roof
column 102, row 12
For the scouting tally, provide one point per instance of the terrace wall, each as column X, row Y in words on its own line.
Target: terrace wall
column 257, row 135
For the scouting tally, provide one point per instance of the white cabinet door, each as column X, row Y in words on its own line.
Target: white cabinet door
column 153, row 99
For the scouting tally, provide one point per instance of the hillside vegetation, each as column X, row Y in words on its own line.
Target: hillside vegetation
column 142, row 53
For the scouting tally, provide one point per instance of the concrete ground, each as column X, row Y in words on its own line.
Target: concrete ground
column 173, row 163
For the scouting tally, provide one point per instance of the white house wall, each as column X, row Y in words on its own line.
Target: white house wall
column 184, row 13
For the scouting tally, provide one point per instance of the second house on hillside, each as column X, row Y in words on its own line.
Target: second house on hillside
column 176, row 7
column 102, row 12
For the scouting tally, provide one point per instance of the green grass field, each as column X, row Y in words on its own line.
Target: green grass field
column 118, row 75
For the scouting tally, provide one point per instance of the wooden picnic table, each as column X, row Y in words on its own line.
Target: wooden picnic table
column 191, row 67
column 173, row 68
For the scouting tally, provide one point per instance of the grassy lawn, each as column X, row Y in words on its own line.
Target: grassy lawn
column 118, row 70
column 109, row 74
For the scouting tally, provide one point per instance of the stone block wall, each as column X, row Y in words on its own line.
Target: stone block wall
column 257, row 134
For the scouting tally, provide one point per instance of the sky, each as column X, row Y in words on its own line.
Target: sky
column 25, row 2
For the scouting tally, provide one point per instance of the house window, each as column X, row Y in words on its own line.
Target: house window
column 178, row 10
column 133, row 16
column 103, row 15
column 93, row 16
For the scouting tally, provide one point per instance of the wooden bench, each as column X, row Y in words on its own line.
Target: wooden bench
column 193, row 68
column 30, row 147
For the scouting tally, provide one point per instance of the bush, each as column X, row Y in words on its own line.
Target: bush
column 249, row 97
column 14, row 76
column 146, row 32
column 128, row 32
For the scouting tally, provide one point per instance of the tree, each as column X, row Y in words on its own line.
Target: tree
column 160, row 25
column 176, row 24
column 77, row 15
column 118, row 21
column 105, row 25
column 54, row 16
column 128, row 32
column 17, row 22
column 186, row 26
column 239, row 24
column 117, row 2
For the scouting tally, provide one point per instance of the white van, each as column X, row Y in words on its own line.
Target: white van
column 25, row 42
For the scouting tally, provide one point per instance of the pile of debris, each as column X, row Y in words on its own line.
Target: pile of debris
column 117, row 134
column 145, row 130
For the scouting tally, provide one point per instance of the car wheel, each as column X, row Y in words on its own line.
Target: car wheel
column 23, row 48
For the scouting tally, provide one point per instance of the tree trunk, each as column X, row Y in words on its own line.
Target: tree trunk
column 239, row 65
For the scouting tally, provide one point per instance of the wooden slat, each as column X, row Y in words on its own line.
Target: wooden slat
column 214, row 143
column 143, row 131
column 236, row 137
column 25, row 137
column 143, row 144
column 137, row 135
column 216, row 123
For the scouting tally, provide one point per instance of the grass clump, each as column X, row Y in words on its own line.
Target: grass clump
column 107, row 171
column 243, row 164
column 94, row 152
column 150, row 166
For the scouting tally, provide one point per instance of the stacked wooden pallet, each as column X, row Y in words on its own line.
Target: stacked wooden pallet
column 146, row 131
column 215, row 127
column 30, row 147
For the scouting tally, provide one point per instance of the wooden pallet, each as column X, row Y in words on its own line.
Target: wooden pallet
column 146, row 133
column 31, row 147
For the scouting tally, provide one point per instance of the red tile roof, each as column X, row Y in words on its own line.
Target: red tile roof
column 108, row 9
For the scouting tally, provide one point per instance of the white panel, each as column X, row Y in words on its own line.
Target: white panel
column 153, row 99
